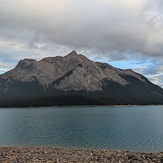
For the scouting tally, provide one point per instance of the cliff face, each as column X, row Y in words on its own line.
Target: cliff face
column 74, row 80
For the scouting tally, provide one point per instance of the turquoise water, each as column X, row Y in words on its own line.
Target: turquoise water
column 137, row 128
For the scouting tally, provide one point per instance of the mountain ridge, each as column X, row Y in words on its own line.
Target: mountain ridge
column 74, row 80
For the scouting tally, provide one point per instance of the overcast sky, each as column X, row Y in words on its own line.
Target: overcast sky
column 124, row 33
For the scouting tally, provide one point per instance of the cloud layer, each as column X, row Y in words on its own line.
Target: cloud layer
column 112, row 29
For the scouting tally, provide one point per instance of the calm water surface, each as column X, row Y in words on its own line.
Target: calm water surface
column 138, row 128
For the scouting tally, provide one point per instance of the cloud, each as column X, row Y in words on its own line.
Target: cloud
column 106, row 27
column 152, row 69
column 157, row 80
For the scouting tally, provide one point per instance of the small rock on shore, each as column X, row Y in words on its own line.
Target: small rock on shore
column 66, row 155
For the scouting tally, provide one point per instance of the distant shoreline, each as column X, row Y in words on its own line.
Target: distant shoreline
column 47, row 154
column 73, row 106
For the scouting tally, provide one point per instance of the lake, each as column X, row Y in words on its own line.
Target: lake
column 136, row 128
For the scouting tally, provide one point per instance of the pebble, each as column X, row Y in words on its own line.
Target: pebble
column 66, row 155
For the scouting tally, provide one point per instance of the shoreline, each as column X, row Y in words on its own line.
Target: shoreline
column 51, row 155
column 73, row 106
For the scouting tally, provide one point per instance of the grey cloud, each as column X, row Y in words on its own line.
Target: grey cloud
column 3, row 65
column 104, row 27
column 157, row 80
column 153, row 70
column 32, row 45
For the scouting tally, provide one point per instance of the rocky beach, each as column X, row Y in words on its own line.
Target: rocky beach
column 60, row 155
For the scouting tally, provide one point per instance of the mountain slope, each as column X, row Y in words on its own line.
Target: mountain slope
column 74, row 80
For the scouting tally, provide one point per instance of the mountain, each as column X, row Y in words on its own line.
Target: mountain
column 74, row 80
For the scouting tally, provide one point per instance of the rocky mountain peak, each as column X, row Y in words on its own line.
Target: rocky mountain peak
column 72, row 54
column 51, row 59
column 75, row 74
column 75, row 56
column 76, row 71
column 26, row 64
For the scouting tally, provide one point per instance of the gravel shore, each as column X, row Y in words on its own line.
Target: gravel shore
column 63, row 155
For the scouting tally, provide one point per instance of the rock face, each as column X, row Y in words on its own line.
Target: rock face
column 74, row 80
